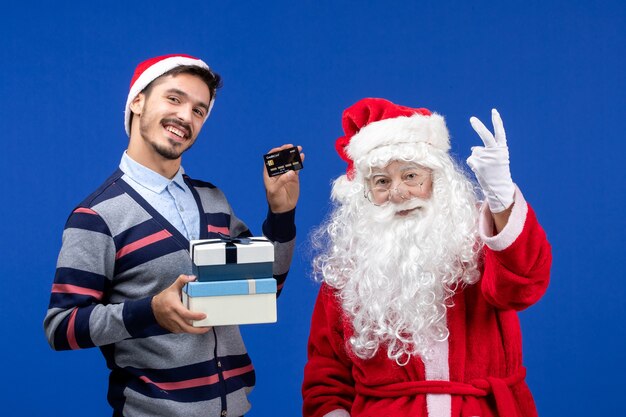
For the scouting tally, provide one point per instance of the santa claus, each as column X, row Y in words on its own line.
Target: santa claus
column 421, row 284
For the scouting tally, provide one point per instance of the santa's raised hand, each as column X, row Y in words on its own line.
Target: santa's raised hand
column 490, row 164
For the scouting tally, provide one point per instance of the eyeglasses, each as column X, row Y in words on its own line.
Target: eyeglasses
column 379, row 186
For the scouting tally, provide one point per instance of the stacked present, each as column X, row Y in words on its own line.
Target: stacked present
column 235, row 283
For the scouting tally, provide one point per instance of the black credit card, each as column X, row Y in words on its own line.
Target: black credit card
column 280, row 162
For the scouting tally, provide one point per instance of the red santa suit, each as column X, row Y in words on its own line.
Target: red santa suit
column 477, row 371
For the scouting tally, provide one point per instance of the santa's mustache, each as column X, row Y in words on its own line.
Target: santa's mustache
column 389, row 211
column 411, row 204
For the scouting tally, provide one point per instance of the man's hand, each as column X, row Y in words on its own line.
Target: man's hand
column 170, row 312
column 282, row 191
column 491, row 164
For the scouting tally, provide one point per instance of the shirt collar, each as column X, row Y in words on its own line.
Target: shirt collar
column 149, row 179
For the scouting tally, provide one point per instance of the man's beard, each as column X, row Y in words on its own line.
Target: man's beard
column 171, row 152
column 395, row 275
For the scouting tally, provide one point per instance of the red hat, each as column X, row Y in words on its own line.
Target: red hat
column 372, row 123
column 153, row 68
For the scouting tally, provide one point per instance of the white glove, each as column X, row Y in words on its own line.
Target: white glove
column 491, row 164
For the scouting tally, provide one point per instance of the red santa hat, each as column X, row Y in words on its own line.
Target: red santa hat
column 153, row 68
column 373, row 123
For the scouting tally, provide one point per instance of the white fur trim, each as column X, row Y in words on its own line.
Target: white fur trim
column 155, row 71
column 340, row 412
column 437, row 368
column 418, row 152
column 404, row 129
column 513, row 228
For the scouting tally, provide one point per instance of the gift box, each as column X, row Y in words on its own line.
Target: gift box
column 232, row 258
column 232, row 302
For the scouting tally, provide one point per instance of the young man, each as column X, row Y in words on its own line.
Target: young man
column 125, row 258
column 417, row 313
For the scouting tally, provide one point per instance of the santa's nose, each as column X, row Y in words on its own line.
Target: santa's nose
column 399, row 193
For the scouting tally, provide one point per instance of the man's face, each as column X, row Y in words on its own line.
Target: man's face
column 401, row 184
column 172, row 114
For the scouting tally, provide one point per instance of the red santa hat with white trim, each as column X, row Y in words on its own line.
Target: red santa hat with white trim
column 373, row 123
column 151, row 69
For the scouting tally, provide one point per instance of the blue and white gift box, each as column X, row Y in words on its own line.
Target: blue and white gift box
column 231, row 302
column 232, row 258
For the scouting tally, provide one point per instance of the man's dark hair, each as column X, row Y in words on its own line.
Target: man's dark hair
column 211, row 79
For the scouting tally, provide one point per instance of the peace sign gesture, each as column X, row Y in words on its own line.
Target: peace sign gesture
column 490, row 164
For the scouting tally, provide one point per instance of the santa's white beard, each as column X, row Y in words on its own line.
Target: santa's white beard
column 395, row 275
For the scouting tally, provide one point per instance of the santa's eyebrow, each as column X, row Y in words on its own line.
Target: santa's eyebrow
column 408, row 166
column 411, row 166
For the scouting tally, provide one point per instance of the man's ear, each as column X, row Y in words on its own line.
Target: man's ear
column 136, row 106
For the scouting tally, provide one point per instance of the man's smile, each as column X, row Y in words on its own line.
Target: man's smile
column 179, row 132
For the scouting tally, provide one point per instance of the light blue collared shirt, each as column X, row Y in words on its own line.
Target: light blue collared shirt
column 171, row 198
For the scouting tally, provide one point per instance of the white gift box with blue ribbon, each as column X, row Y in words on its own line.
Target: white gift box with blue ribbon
column 232, row 258
column 246, row 301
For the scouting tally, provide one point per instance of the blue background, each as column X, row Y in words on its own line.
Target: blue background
column 554, row 69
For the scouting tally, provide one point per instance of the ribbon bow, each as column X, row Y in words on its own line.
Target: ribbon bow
column 231, row 248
